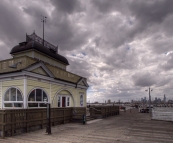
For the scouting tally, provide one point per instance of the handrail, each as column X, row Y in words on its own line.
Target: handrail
column 95, row 109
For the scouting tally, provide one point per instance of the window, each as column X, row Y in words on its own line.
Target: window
column 68, row 101
column 13, row 98
column 81, row 100
column 59, row 101
column 37, row 98
column 63, row 101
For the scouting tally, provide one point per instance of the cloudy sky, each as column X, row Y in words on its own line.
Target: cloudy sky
column 122, row 47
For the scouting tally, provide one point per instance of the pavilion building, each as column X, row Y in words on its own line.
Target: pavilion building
column 37, row 74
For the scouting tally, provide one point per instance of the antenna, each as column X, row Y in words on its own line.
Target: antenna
column 43, row 19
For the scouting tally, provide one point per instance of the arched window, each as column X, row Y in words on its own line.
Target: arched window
column 81, row 99
column 37, row 98
column 13, row 98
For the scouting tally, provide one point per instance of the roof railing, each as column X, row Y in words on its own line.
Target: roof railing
column 34, row 37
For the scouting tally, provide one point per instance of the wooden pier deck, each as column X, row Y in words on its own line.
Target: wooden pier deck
column 125, row 128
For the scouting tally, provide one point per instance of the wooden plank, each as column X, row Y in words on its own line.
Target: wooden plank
column 12, row 129
column 3, row 126
column 27, row 118
column 64, row 116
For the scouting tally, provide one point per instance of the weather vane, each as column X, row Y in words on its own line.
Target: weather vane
column 43, row 19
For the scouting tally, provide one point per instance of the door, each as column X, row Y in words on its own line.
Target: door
column 63, row 102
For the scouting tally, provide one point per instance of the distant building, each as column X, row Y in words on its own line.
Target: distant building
column 159, row 100
column 164, row 99
column 145, row 99
column 109, row 101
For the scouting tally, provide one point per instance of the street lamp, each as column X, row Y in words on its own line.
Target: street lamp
column 149, row 99
column 48, row 127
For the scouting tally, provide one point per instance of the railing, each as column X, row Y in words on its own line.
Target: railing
column 78, row 113
column 34, row 37
column 103, row 111
column 96, row 109
column 24, row 120
column 165, row 114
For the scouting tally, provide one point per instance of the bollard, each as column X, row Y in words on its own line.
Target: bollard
column 84, row 119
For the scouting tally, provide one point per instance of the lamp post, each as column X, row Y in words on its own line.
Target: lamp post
column 48, row 127
column 149, row 99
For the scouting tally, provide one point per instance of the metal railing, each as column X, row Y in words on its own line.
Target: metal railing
column 34, row 37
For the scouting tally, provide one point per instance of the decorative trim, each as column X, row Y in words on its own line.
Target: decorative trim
column 1, row 97
column 81, row 86
column 11, row 78
column 50, row 91
column 47, row 78
column 40, row 64
column 30, row 74
column 56, row 94
column 82, row 80
column 25, row 92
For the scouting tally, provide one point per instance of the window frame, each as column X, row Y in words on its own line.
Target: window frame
column 13, row 102
column 35, row 98
column 66, row 100
column 82, row 101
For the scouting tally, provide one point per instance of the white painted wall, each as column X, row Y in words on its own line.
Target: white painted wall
column 163, row 113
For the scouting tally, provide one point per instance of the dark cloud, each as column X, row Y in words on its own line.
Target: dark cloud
column 150, row 12
column 110, row 5
column 144, row 79
column 67, row 6
column 79, row 67
column 11, row 24
column 168, row 65
column 147, row 79
column 35, row 12
column 115, row 44
column 122, row 58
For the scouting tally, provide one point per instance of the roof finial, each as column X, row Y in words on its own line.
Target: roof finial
column 34, row 32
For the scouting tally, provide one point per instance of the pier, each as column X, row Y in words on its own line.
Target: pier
column 128, row 127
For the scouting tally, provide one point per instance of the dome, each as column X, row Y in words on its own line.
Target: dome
column 33, row 45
